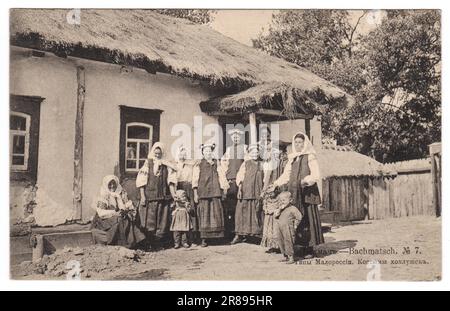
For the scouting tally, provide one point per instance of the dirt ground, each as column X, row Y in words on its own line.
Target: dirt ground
column 406, row 249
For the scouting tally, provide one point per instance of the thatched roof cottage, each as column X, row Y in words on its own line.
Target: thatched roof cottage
column 87, row 91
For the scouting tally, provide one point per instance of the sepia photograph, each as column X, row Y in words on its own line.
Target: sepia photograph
column 225, row 144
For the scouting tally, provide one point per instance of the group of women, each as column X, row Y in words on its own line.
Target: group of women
column 205, row 184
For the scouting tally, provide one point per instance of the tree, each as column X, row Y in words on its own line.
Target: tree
column 403, row 101
column 306, row 37
column 393, row 72
column 194, row 15
column 324, row 42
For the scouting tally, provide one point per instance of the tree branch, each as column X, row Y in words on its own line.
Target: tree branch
column 353, row 33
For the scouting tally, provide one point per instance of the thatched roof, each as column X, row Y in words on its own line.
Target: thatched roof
column 417, row 165
column 272, row 95
column 159, row 43
column 343, row 162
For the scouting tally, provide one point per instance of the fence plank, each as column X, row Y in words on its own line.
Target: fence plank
column 326, row 194
column 371, row 199
column 406, row 194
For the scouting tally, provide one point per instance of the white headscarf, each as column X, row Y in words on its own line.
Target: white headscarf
column 157, row 162
column 307, row 147
column 105, row 195
column 104, row 190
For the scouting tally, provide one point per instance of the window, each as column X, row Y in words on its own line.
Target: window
column 24, row 137
column 139, row 130
column 19, row 140
column 138, row 141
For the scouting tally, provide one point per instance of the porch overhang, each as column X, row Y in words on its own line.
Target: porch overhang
column 269, row 102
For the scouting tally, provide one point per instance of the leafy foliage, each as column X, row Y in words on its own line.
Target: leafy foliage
column 393, row 72
column 194, row 15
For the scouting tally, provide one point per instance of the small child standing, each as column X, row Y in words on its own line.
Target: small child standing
column 181, row 221
column 270, row 229
column 288, row 218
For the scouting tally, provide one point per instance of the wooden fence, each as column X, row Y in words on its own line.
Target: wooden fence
column 436, row 175
column 357, row 198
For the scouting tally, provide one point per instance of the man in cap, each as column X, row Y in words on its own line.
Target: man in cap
column 231, row 162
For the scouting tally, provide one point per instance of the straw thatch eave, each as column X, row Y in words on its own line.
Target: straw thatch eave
column 338, row 163
column 159, row 43
column 290, row 101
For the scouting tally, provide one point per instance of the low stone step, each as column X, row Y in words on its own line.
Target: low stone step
column 21, row 249
column 59, row 240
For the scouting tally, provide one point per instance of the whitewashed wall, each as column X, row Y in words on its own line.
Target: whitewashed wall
column 106, row 88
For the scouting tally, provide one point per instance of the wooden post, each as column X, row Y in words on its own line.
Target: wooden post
column 78, row 151
column 435, row 154
column 253, row 129
column 308, row 128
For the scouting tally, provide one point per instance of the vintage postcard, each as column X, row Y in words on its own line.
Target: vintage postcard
column 204, row 144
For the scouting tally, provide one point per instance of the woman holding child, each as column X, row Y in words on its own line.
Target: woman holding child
column 301, row 175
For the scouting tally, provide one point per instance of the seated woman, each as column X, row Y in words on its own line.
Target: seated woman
column 114, row 222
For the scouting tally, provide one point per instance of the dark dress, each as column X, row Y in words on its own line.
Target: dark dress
column 209, row 208
column 116, row 230
column 275, row 174
column 155, row 216
column 306, row 200
column 229, row 205
column 248, row 216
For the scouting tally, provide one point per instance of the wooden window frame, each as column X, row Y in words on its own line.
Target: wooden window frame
column 25, row 133
column 28, row 107
column 138, row 141
column 131, row 115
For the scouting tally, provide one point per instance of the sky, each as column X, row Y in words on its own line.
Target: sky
column 244, row 25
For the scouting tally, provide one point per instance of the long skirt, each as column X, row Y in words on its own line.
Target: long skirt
column 248, row 218
column 187, row 187
column 229, row 207
column 210, row 218
column 270, row 230
column 310, row 228
column 287, row 230
column 155, row 218
column 116, row 230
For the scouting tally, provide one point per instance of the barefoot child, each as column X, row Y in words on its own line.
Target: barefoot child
column 181, row 220
column 288, row 219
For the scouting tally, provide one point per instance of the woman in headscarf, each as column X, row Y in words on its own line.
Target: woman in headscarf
column 184, row 168
column 248, row 215
column 156, row 180
column 210, row 186
column 301, row 176
column 114, row 221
